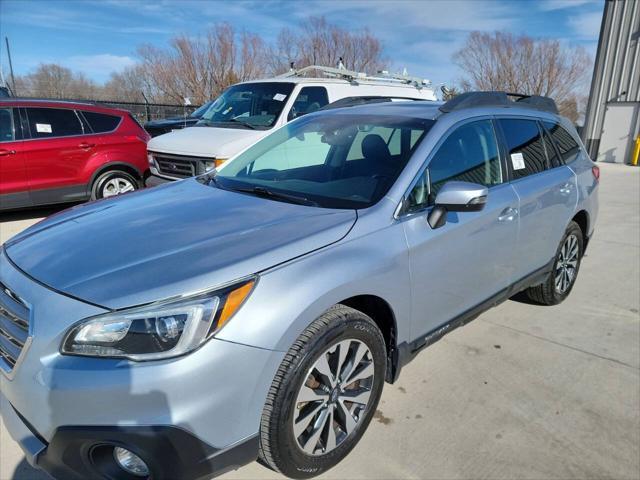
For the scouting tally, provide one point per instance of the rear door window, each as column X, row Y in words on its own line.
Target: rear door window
column 101, row 122
column 567, row 146
column 552, row 155
column 53, row 122
column 525, row 148
column 6, row 125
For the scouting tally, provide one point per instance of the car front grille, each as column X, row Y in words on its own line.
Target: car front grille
column 14, row 328
column 178, row 165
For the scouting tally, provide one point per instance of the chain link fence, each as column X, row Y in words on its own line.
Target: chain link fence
column 144, row 112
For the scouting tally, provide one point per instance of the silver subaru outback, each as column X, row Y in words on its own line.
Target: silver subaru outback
column 256, row 312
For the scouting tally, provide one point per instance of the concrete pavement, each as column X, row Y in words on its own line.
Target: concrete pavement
column 523, row 392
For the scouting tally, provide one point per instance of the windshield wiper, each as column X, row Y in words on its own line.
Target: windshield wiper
column 243, row 123
column 265, row 192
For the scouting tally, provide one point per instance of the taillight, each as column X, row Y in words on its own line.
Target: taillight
column 596, row 173
column 133, row 138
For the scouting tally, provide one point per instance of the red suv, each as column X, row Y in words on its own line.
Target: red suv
column 55, row 152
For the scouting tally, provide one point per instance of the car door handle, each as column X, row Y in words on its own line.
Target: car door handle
column 508, row 215
column 4, row 152
column 86, row 146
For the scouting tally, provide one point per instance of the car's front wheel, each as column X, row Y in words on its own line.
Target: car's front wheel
column 324, row 394
column 112, row 183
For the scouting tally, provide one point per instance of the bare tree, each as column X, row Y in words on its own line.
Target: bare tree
column 55, row 81
column 502, row 61
column 318, row 42
column 198, row 68
column 130, row 84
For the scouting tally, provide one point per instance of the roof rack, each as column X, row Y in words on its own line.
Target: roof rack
column 499, row 99
column 355, row 77
column 355, row 101
column 47, row 100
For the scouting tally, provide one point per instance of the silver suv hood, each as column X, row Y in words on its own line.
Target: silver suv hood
column 170, row 240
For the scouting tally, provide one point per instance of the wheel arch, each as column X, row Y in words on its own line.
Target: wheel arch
column 382, row 314
column 582, row 219
column 111, row 166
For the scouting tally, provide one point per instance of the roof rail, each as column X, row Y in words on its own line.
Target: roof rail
column 355, row 77
column 499, row 99
column 355, row 101
column 47, row 100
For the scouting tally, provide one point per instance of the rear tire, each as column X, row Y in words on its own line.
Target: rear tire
column 566, row 265
column 112, row 183
column 304, row 428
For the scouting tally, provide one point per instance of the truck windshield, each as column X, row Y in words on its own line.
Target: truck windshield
column 201, row 110
column 332, row 161
column 248, row 105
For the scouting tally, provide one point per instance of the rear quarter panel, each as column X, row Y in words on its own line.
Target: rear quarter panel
column 587, row 188
column 126, row 145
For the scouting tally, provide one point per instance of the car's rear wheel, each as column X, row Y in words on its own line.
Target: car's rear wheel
column 562, row 278
column 324, row 394
column 112, row 183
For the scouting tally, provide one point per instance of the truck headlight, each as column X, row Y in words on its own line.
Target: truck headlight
column 157, row 331
column 214, row 163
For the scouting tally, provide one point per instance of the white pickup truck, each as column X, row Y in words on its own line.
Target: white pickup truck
column 248, row 111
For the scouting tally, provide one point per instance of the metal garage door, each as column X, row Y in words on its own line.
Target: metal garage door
column 618, row 132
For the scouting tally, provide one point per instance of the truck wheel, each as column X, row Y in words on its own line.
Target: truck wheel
column 112, row 183
column 561, row 279
column 324, row 394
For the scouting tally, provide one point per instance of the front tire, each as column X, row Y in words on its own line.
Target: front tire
column 324, row 394
column 112, row 183
column 566, row 265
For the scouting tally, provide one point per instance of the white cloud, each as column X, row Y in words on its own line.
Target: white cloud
column 549, row 5
column 394, row 16
column 586, row 25
column 98, row 66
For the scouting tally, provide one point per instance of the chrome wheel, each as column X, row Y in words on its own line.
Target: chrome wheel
column 333, row 397
column 116, row 186
column 567, row 264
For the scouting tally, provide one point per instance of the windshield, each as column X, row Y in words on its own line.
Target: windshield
column 200, row 110
column 248, row 105
column 332, row 161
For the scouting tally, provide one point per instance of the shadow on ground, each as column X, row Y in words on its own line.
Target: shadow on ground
column 31, row 213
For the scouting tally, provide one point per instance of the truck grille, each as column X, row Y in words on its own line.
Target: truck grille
column 14, row 328
column 178, row 165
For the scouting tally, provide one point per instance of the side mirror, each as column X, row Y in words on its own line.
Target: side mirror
column 457, row 197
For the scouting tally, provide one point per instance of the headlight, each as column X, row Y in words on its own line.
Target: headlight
column 214, row 163
column 159, row 330
column 152, row 161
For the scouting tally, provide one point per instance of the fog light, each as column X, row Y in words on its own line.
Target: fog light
column 130, row 462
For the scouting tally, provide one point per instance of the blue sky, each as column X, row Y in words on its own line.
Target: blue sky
column 98, row 37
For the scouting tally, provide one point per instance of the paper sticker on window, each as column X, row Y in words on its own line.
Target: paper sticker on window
column 279, row 97
column 517, row 160
column 43, row 128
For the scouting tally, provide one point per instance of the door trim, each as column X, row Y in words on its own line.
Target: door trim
column 407, row 351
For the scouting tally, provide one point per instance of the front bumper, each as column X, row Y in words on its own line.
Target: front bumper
column 215, row 394
column 82, row 452
column 154, row 180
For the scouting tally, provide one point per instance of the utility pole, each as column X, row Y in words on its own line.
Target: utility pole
column 13, row 80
